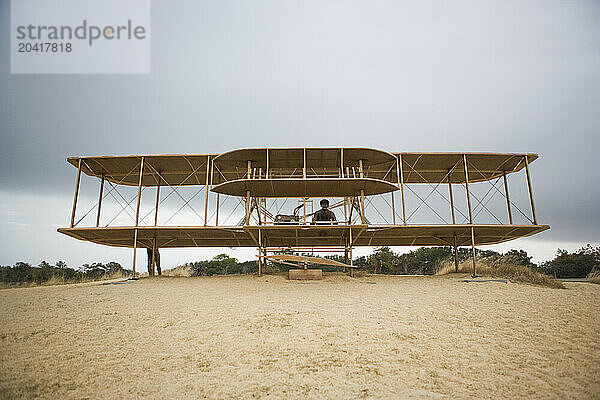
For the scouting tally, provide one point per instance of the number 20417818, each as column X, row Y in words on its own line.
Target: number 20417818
column 46, row 47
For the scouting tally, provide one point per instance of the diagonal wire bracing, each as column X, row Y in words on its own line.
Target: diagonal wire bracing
column 450, row 171
column 124, row 208
column 187, row 203
column 423, row 201
column 369, row 202
column 105, row 194
column 483, row 205
column 389, row 170
column 240, row 201
column 174, row 190
column 484, row 201
column 221, row 204
column 434, row 189
column 502, row 194
column 390, row 205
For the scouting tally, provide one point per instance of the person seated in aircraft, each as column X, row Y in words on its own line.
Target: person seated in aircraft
column 324, row 214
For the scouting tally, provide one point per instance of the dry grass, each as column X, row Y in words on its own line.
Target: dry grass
column 182, row 270
column 498, row 269
column 446, row 267
column 244, row 337
column 10, row 285
column 57, row 280
column 594, row 277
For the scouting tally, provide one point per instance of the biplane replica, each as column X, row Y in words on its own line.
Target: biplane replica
column 261, row 180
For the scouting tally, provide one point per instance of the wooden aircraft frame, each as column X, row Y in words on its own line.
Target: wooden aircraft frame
column 255, row 175
column 287, row 259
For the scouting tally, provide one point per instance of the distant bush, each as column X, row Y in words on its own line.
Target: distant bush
column 578, row 264
column 422, row 261
column 24, row 273
column 222, row 264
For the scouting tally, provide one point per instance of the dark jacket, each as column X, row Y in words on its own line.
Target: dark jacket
column 324, row 215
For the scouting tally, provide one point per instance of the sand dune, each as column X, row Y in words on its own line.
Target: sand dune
column 249, row 337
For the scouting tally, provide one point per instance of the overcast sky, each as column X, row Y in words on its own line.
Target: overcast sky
column 510, row 76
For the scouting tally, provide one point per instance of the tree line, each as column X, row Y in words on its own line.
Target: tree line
column 425, row 260
column 428, row 260
column 22, row 272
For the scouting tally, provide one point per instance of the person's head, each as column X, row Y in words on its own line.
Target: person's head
column 324, row 203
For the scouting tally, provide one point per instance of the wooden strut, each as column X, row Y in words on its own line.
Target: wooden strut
column 362, row 207
column 393, row 209
column 137, row 215
column 267, row 166
column 154, row 247
column 100, row 201
column 401, row 176
column 451, row 199
column 248, row 207
column 362, row 193
column 470, row 213
column 350, row 209
column 345, row 251
column 217, row 212
column 304, row 209
column 350, row 251
column 304, row 165
column 455, row 255
column 257, row 203
column 153, row 269
column 530, row 191
column 76, row 193
column 453, row 222
column 248, row 195
column 304, row 177
column 510, row 219
column 157, row 198
column 259, row 251
column 467, row 188
column 265, row 216
column 473, row 250
column 351, row 263
column 206, row 198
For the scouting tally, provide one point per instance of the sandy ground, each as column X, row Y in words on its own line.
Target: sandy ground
column 250, row 337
